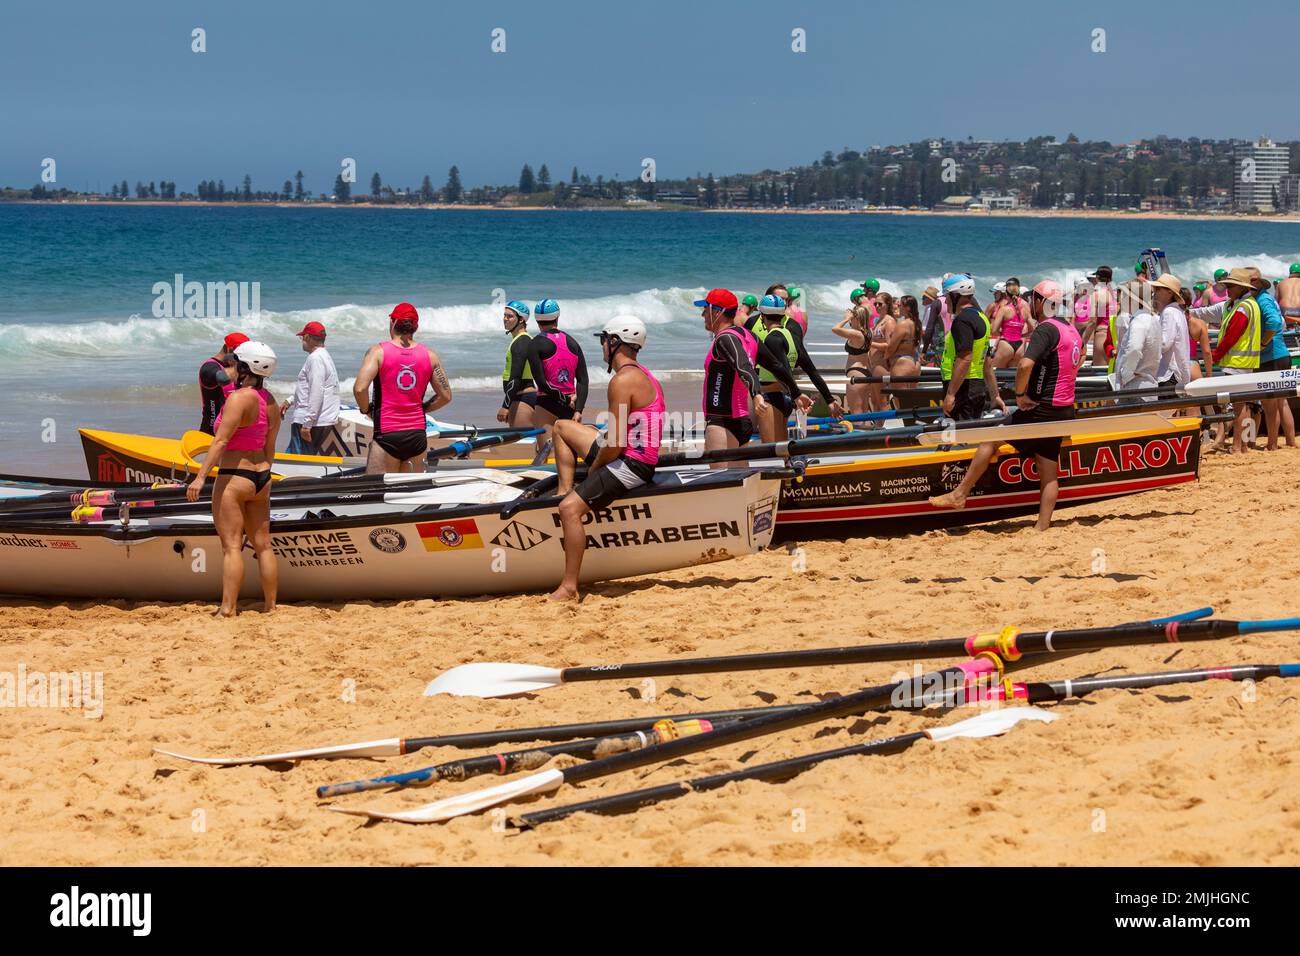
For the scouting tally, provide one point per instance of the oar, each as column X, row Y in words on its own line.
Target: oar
column 785, row 769
column 1082, row 686
column 919, row 688
column 400, row 746
column 1013, row 652
column 529, row 759
column 507, row 679
column 462, row 448
column 989, row 724
column 392, row 494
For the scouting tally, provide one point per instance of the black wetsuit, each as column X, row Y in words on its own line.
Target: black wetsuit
column 212, row 395
column 541, row 348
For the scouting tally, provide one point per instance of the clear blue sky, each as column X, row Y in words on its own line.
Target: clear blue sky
column 112, row 91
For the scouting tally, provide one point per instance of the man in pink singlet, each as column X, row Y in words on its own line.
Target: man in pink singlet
column 401, row 373
column 1045, row 380
column 623, row 459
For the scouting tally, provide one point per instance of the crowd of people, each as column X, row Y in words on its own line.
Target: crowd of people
column 1151, row 331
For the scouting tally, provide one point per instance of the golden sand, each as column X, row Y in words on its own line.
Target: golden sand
column 1190, row 774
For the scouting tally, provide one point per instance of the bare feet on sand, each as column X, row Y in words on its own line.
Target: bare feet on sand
column 950, row 500
column 563, row 593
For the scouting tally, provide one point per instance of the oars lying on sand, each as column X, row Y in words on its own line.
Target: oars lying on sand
column 400, row 746
column 989, row 724
column 1037, row 692
column 785, row 769
column 529, row 759
column 1024, row 650
column 504, row 679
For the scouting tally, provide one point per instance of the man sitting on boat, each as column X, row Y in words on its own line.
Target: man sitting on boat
column 1045, row 381
column 217, row 380
column 626, row 457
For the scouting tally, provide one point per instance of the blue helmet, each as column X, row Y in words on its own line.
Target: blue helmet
column 518, row 308
column 772, row 305
column 548, row 310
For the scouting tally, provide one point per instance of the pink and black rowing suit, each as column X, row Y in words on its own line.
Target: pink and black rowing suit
column 397, row 400
column 1054, row 347
column 635, row 465
column 1013, row 328
column 731, row 380
column 214, row 386
column 250, row 438
column 559, row 372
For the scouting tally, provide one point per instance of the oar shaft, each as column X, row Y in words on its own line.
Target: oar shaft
column 1036, row 692
column 775, row 771
column 856, row 654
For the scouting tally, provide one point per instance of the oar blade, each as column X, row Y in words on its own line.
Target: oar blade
column 493, row 680
column 458, row 806
column 391, row 747
column 989, row 724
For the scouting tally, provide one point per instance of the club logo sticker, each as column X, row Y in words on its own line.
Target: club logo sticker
column 387, row 540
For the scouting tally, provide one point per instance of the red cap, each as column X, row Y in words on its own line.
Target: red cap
column 720, row 299
column 234, row 340
column 313, row 328
column 405, row 310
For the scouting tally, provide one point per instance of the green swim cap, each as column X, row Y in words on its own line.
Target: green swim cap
column 872, row 285
column 1219, row 274
column 1137, row 266
column 855, row 294
column 1199, row 287
column 750, row 300
column 794, row 291
column 1295, row 268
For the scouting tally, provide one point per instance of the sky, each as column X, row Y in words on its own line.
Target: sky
column 114, row 91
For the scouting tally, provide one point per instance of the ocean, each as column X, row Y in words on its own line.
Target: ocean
column 86, row 338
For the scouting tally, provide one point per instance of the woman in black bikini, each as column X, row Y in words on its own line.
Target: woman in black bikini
column 855, row 329
column 243, row 449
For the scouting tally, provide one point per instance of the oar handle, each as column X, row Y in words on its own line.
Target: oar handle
column 1258, row 627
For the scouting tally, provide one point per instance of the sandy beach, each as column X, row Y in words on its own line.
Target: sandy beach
column 1198, row 774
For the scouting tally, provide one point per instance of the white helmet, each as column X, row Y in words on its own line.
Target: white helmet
column 628, row 328
column 958, row 284
column 258, row 356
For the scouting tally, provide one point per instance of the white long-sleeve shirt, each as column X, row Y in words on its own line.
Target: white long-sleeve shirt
column 316, row 396
column 1137, row 362
column 1175, row 346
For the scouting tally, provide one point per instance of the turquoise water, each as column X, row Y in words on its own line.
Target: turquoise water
column 80, row 344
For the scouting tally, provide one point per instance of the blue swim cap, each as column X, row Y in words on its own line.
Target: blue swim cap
column 548, row 310
column 519, row 308
column 772, row 305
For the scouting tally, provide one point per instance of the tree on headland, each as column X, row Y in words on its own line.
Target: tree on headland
column 426, row 190
column 573, row 177
column 342, row 189
column 711, row 193
column 287, row 191
column 297, row 192
column 125, row 190
column 221, row 190
column 248, row 188
column 453, row 191
column 527, row 183
column 376, row 186
column 543, row 179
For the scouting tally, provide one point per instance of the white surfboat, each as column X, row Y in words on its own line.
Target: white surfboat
column 412, row 545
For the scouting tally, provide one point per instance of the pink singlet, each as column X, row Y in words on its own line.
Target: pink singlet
column 398, row 399
column 644, row 426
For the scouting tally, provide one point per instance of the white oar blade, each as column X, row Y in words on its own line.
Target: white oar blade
column 458, row 806
column 493, row 680
column 1228, row 384
column 368, row 748
column 990, row 724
